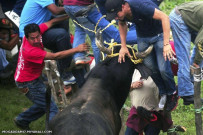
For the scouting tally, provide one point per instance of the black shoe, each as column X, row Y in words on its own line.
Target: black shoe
column 172, row 102
column 187, row 100
column 6, row 74
column 143, row 113
column 7, row 71
column 17, row 123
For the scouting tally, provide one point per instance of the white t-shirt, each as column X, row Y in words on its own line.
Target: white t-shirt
column 146, row 96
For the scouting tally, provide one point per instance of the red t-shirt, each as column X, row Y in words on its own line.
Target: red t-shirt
column 30, row 60
column 78, row 2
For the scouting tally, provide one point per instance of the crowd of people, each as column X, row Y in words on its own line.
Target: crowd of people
column 34, row 25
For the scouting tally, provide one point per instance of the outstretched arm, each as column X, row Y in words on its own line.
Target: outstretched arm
column 167, row 50
column 55, row 9
column 124, row 50
column 56, row 20
column 66, row 53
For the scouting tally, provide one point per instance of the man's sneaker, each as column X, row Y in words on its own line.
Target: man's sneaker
column 11, row 15
column 19, row 125
column 144, row 113
column 162, row 102
column 187, row 100
column 72, row 80
column 172, row 102
column 84, row 60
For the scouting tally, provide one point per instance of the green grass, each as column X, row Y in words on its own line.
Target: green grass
column 13, row 102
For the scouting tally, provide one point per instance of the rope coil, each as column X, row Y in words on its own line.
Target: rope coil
column 198, row 110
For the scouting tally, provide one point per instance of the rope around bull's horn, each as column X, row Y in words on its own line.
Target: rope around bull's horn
column 111, row 45
column 134, row 59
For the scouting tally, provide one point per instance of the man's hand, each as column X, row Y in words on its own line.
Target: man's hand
column 137, row 84
column 83, row 47
column 168, row 52
column 123, row 51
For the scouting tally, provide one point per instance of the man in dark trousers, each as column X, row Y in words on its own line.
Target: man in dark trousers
column 30, row 65
column 153, row 28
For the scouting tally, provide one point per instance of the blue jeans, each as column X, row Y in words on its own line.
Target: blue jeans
column 3, row 60
column 111, row 32
column 15, row 5
column 80, row 33
column 37, row 94
column 55, row 39
column 148, row 130
column 182, row 41
column 162, row 73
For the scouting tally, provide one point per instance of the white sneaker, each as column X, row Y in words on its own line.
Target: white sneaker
column 72, row 80
column 13, row 17
column 162, row 101
column 82, row 60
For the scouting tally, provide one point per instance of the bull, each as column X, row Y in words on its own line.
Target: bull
column 95, row 107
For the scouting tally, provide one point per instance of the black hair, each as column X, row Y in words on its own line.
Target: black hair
column 30, row 28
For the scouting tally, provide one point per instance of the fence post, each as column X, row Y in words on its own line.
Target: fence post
column 50, row 81
column 197, row 100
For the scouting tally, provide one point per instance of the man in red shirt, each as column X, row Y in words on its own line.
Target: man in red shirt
column 30, row 65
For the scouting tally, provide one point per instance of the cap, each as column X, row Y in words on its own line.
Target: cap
column 4, row 23
column 112, row 8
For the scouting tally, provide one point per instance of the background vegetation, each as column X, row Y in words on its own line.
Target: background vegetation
column 12, row 102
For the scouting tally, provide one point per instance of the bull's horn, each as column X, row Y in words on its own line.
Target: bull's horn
column 144, row 53
column 100, row 43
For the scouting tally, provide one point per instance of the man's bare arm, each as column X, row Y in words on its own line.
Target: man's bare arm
column 55, row 9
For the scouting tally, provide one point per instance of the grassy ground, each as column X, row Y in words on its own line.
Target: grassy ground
column 13, row 102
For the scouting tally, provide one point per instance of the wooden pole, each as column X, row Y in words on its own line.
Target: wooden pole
column 50, row 80
column 197, row 100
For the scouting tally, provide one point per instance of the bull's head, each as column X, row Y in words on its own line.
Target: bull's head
column 108, row 51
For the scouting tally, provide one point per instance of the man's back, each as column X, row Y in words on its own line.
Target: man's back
column 34, row 11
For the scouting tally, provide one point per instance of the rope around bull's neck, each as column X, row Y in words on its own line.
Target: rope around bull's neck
column 134, row 59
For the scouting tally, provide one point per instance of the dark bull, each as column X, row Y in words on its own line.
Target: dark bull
column 95, row 107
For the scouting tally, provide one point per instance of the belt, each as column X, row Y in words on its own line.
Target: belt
column 177, row 11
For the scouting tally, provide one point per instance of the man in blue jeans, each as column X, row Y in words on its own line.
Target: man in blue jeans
column 153, row 27
column 71, row 8
column 56, row 39
column 30, row 65
column 89, row 21
column 185, row 20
